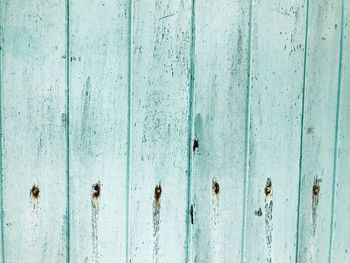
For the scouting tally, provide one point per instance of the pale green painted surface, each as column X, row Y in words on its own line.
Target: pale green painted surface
column 183, row 113
column 98, row 106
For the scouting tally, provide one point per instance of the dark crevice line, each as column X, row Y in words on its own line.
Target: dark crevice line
column 336, row 139
column 2, row 137
column 190, row 135
column 129, row 135
column 302, row 128
column 67, row 134
column 247, row 134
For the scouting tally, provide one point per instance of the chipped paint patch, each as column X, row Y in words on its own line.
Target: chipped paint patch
column 258, row 212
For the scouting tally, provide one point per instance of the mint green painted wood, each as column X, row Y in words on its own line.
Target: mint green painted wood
column 340, row 238
column 319, row 133
column 161, row 33
column 276, row 71
column 189, row 131
column 220, row 92
column 98, row 129
column 33, row 130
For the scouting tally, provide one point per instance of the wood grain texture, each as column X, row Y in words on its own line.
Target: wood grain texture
column 33, row 122
column 319, row 134
column 277, row 56
column 220, row 93
column 161, row 34
column 98, row 129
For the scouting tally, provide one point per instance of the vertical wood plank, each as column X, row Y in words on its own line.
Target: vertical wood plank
column 98, row 129
column 34, row 137
column 161, row 33
column 321, row 94
column 221, row 62
column 277, row 52
column 340, row 238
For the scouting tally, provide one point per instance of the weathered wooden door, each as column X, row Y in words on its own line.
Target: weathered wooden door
column 175, row 131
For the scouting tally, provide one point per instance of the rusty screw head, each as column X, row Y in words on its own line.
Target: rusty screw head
column 268, row 187
column 216, row 187
column 96, row 188
column 34, row 192
column 315, row 189
column 157, row 192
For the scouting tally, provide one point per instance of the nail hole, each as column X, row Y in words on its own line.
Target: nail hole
column 216, row 187
column 157, row 194
column 34, row 192
column 195, row 145
column 96, row 189
column 316, row 187
column 268, row 187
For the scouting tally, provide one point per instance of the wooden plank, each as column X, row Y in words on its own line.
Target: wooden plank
column 98, row 129
column 277, row 52
column 220, row 92
column 161, row 34
column 319, row 128
column 340, row 235
column 34, row 130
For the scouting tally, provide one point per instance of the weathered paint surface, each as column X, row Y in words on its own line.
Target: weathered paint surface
column 33, row 131
column 274, row 123
column 319, row 130
column 160, row 55
column 175, row 131
column 98, row 112
column 219, row 119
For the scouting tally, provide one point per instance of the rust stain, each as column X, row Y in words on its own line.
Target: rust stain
column 268, row 188
column 96, row 192
column 157, row 194
column 156, row 221
column 216, row 187
column 34, row 193
column 216, row 191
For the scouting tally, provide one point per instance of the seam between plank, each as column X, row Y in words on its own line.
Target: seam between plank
column 190, row 136
column 302, row 128
column 129, row 135
column 247, row 135
column 2, row 137
column 67, row 134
